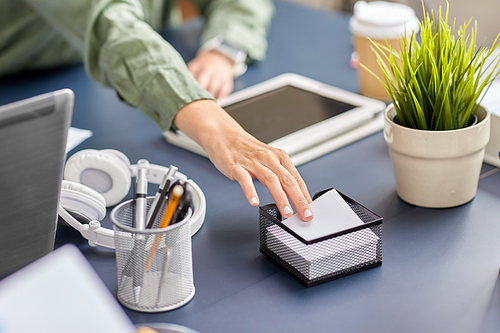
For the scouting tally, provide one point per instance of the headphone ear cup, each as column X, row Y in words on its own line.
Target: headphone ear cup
column 103, row 171
column 83, row 200
column 117, row 154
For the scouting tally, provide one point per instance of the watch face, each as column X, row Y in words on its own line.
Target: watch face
column 234, row 53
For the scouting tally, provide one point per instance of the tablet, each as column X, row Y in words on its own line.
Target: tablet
column 304, row 117
column 33, row 133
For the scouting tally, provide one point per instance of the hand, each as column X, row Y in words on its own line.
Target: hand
column 214, row 72
column 241, row 157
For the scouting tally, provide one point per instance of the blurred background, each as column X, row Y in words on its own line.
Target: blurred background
column 485, row 12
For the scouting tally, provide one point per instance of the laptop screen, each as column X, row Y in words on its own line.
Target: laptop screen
column 33, row 133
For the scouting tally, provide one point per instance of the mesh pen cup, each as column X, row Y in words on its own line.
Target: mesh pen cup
column 154, row 266
column 327, row 258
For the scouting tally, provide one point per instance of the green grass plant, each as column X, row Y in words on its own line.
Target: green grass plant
column 437, row 83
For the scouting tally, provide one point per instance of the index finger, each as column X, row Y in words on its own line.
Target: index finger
column 288, row 164
column 283, row 185
column 295, row 193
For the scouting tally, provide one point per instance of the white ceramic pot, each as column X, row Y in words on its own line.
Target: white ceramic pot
column 437, row 169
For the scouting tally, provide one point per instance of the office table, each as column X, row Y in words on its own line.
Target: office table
column 440, row 266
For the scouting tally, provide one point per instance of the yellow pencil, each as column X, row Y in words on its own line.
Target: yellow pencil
column 173, row 202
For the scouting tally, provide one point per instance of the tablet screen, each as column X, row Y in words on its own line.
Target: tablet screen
column 283, row 111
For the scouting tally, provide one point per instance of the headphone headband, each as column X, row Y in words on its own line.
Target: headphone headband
column 154, row 172
column 97, row 235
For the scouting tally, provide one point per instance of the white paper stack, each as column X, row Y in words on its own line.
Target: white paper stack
column 332, row 215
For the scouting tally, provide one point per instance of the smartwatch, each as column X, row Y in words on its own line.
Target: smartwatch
column 237, row 55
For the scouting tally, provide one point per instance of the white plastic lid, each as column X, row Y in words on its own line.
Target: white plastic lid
column 381, row 19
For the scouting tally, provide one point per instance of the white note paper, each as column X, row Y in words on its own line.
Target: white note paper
column 76, row 136
column 331, row 214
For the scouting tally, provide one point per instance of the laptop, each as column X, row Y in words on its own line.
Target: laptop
column 33, row 135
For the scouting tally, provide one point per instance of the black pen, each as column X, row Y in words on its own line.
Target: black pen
column 184, row 204
column 160, row 196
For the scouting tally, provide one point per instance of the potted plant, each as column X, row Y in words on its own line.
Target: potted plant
column 435, row 127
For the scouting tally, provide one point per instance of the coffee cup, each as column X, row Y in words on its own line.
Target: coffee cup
column 381, row 22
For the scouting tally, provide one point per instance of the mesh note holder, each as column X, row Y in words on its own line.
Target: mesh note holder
column 326, row 258
column 154, row 266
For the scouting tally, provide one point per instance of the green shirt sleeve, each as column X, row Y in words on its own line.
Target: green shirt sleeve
column 121, row 49
column 243, row 23
column 124, row 51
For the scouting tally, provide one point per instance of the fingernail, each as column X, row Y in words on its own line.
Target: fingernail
column 254, row 200
column 287, row 210
column 307, row 213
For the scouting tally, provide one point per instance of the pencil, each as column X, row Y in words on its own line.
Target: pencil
column 172, row 203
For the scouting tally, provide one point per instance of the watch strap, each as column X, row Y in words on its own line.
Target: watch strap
column 236, row 54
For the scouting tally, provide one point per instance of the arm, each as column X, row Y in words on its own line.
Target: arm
column 243, row 24
column 122, row 50
column 241, row 157
column 214, row 72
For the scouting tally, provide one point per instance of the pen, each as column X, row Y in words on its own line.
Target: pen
column 127, row 270
column 163, row 276
column 160, row 196
column 140, row 224
column 134, row 196
column 141, row 200
column 172, row 203
column 151, row 216
column 184, row 204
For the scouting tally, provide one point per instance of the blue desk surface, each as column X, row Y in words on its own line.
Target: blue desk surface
column 440, row 266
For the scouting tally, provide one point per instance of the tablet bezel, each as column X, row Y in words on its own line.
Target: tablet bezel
column 365, row 110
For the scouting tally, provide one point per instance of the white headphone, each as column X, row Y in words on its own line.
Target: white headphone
column 95, row 179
